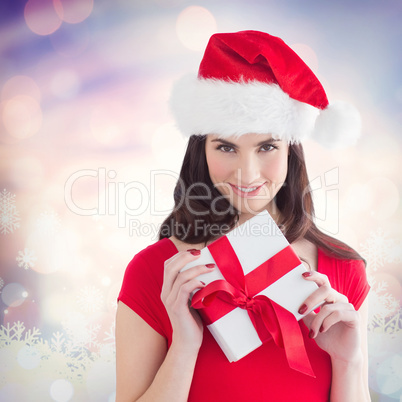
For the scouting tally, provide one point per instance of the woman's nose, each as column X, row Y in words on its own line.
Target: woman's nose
column 248, row 170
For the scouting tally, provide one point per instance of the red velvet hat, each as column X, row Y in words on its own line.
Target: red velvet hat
column 252, row 82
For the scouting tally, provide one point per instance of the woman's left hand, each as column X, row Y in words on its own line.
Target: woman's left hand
column 336, row 327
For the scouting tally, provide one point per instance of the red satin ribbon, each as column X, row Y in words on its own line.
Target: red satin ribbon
column 269, row 319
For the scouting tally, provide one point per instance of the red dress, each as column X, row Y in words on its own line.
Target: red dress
column 264, row 374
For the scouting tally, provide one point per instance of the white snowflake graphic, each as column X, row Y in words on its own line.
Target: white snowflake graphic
column 9, row 219
column 384, row 313
column 48, row 223
column 58, row 341
column 17, row 333
column 90, row 299
column 1, row 283
column 70, row 354
column 81, row 334
column 26, row 259
column 110, row 335
column 379, row 250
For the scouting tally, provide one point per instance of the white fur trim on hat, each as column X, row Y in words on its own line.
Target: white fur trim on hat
column 338, row 125
column 227, row 108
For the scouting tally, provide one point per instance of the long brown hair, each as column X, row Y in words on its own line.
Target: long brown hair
column 202, row 214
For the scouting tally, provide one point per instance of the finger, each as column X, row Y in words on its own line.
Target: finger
column 345, row 313
column 316, row 298
column 316, row 320
column 185, row 290
column 308, row 319
column 188, row 275
column 324, row 294
column 329, row 315
column 318, row 278
column 174, row 264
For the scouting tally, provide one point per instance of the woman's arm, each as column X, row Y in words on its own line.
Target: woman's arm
column 146, row 370
column 350, row 379
column 341, row 331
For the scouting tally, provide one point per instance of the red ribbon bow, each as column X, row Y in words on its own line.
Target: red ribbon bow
column 269, row 319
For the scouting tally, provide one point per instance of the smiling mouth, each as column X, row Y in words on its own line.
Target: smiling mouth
column 247, row 191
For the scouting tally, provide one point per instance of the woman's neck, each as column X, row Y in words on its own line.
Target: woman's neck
column 272, row 209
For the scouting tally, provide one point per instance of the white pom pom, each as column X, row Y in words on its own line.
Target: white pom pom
column 338, row 125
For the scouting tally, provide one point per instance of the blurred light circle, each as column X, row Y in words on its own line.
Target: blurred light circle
column 111, row 122
column 194, row 26
column 73, row 11
column 389, row 375
column 61, row 390
column 103, row 128
column 20, row 85
column 51, row 247
column 56, row 305
column 27, row 172
column 41, row 17
column 28, row 313
column 385, row 198
column 28, row 357
column 307, row 54
column 8, row 362
column 12, row 294
column 358, row 198
column 65, row 84
column 106, row 281
column 101, row 380
column 167, row 141
column 22, row 116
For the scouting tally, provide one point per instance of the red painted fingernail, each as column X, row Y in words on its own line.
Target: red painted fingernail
column 203, row 283
column 194, row 251
column 307, row 274
column 321, row 328
column 311, row 334
column 210, row 265
column 303, row 309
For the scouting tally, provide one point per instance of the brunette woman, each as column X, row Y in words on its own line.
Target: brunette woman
column 246, row 113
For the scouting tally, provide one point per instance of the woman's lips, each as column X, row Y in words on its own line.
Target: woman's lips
column 247, row 192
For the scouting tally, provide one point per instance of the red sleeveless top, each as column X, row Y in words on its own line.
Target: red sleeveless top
column 264, row 374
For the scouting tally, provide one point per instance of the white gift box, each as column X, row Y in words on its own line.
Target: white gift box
column 254, row 242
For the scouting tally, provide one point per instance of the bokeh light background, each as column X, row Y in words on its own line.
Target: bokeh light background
column 89, row 156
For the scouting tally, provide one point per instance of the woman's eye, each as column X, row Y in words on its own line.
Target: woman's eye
column 267, row 147
column 225, row 148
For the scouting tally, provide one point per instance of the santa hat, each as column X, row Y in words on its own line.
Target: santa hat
column 252, row 82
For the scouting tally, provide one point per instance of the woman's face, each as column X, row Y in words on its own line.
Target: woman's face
column 248, row 170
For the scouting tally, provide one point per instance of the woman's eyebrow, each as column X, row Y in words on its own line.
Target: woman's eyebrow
column 225, row 142
column 268, row 141
column 222, row 141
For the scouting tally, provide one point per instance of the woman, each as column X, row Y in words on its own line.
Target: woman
column 253, row 102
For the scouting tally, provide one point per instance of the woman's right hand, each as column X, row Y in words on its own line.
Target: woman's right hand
column 176, row 290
